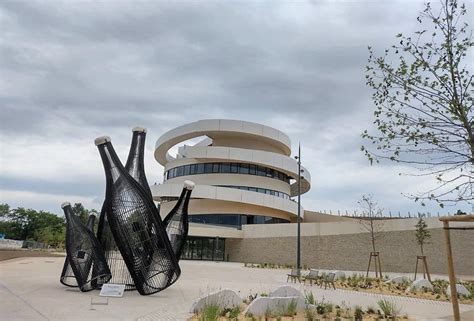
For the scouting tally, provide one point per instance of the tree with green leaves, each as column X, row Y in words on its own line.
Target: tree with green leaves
column 422, row 233
column 423, row 96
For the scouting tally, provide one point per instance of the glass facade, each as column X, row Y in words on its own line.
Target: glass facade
column 226, row 168
column 259, row 190
column 204, row 248
column 234, row 220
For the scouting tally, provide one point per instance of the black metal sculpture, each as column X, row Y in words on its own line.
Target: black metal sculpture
column 136, row 168
column 67, row 275
column 84, row 252
column 177, row 220
column 136, row 226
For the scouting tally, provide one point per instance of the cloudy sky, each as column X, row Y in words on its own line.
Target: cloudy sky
column 72, row 71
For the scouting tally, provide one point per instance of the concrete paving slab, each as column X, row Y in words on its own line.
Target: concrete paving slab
column 30, row 290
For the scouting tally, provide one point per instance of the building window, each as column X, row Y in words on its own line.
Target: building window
column 234, row 168
column 225, row 168
column 208, row 168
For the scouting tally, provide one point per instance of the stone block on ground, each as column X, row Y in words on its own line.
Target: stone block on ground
column 224, row 298
column 420, row 284
column 460, row 289
column 275, row 305
column 286, row 291
column 398, row 280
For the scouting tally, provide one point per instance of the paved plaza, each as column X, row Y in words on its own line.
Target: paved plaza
column 30, row 290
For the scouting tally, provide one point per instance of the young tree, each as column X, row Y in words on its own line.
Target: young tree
column 371, row 219
column 373, row 223
column 424, row 105
column 422, row 233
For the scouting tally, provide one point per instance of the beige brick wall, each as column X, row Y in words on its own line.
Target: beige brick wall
column 398, row 251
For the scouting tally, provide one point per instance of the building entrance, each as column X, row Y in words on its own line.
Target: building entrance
column 204, row 248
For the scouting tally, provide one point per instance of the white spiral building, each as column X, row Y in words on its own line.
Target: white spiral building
column 244, row 173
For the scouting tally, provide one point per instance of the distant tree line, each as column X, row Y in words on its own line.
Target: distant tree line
column 40, row 226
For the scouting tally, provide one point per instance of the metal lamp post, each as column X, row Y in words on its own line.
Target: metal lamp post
column 298, row 234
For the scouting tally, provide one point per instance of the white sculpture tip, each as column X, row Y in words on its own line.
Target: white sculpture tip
column 139, row 129
column 102, row 140
column 189, row 185
column 65, row 204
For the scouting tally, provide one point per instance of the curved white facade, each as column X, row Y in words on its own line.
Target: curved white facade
column 243, row 171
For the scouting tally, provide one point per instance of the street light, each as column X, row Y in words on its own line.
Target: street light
column 298, row 234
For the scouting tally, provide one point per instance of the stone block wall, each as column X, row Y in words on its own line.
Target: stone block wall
column 398, row 251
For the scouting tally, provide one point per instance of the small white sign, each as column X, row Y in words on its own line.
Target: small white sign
column 115, row 290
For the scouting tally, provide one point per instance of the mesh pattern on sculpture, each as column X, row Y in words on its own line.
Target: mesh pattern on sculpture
column 84, row 253
column 67, row 275
column 135, row 167
column 138, row 232
column 177, row 223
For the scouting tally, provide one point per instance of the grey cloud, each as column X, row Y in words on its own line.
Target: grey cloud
column 75, row 69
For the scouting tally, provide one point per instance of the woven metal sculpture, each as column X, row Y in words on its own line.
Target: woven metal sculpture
column 177, row 220
column 84, row 252
column 136, row 226
column 135, row 167
column 67, row 274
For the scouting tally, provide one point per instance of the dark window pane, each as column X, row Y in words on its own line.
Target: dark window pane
column 269, row 172
column 261, row 171
column 244, row 169
column 215, row 168
column 225, row 168
column 252, row 169
column 200, row 169
column 179, row 171
column 234, row 168
column 273, row 193
column 252, row 189
column 261, row 190
column 208, row 168
column 187, row 169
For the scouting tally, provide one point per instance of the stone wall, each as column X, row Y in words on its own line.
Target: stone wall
column 398, row 251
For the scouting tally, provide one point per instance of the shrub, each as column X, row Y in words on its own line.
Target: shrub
column 291, row 308
column 358, row 313
column 309, row 314
column 389, row 308
column 309, row 296
column 234, row 313
column 210, row 312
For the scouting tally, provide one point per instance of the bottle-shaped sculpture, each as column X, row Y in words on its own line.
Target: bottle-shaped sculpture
column 135, row 165
column 177, row 220
column 84, row 252
column 136, row 227
column 67, row 275
column 136, row 168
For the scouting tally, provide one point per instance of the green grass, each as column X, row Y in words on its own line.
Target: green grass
column 388, row 307
column 210, row 312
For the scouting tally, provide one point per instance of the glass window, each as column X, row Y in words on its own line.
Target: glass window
column 225, row 168
column 252, row 189
column 252, row 169
column 215, row 168
column 269, row 172
column 200, row 169
column 192, row 169
column 187, row 168
column 244, row 169
column 273, row 193
column 208, row 168
column 234, row 168
column 261, row 190
column 179, row 171
column 261, row 171
column 267, row 191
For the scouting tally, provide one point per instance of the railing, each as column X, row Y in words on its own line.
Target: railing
column 387, row 215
